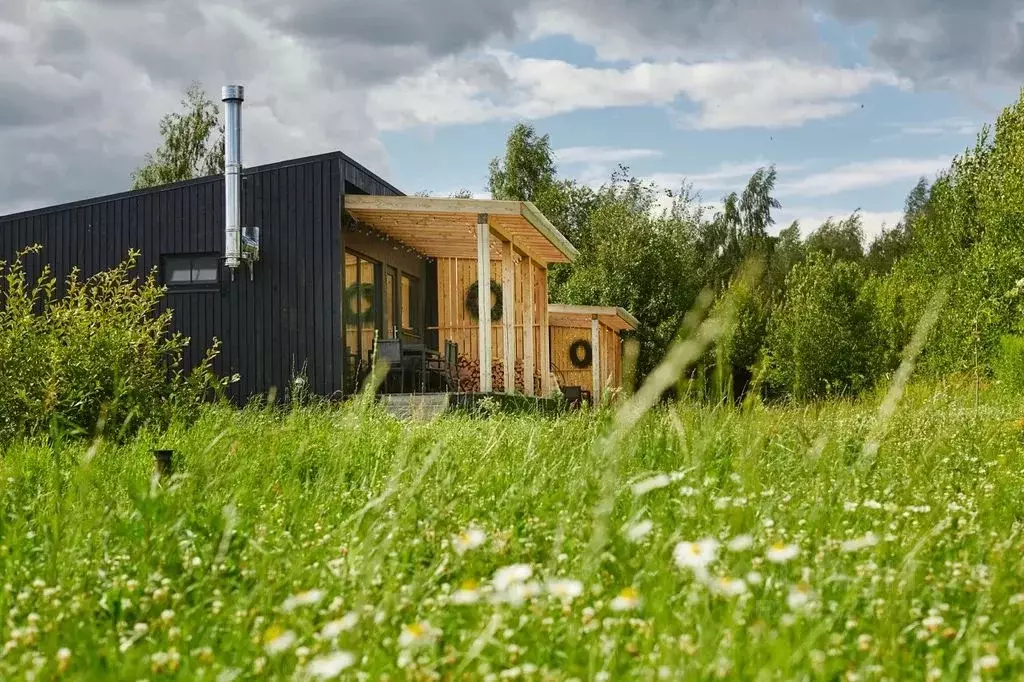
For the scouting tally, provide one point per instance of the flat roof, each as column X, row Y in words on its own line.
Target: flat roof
column 562, row 315
column 446, row 228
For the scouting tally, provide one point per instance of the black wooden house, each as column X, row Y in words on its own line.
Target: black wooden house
column 325, row 282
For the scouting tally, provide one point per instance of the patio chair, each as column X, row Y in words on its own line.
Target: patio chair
column 389, row 351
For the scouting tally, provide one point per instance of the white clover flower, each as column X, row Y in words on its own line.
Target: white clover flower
column 509, row 575
column 565, row 589
column 307, row 598
column 638, row 531
column 780, row 553
column 331, row 665
column 989, row 662
column 857, row 544
column 417, row 634
column 741, row 543
column 471, row 538
column 648, row 484
column 333, row 628
column 626, row 600
column 278, row 641
column 696, row 555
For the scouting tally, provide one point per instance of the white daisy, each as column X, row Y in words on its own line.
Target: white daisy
column 509, row 575
column 471, row 538
column 307, row 598
column 417, row 634
column 468, row 593
column 626, row 600
column 565, row 589
column 799, row 596
column 279, row 641
column 332, row 629
column 696, row 555
column 728, row 587
column 856, row 544
column 331, row 665
column 780, row 553
column 638, row 531
column 740, row 543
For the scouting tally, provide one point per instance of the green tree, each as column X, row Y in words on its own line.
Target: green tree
column 820, row 340
column 187, row 150
column 526, row 170
column 840, row 239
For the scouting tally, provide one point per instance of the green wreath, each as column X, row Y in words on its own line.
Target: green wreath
column 361, row 291
column 574, row 354
column 473, row 300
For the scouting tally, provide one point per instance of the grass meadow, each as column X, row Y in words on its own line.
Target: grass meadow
column 703, row 543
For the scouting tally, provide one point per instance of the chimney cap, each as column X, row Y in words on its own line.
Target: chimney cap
column 232, row 92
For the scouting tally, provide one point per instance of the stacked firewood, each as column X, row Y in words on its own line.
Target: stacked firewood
column 469, row 375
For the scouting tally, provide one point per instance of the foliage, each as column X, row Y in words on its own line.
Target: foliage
column 839, row 239
column 186, row 151
column 527, row 168
column 96, row 359
column 820, row 338
column 286, row 540
column 1009, row 364
column 637, row 260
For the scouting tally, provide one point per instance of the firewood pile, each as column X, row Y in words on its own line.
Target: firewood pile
column 469, row 376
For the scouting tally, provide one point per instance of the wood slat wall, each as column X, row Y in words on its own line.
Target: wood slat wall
column 454, row 321
column 562, row 338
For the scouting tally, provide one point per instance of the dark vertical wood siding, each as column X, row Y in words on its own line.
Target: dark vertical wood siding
column 287, row 317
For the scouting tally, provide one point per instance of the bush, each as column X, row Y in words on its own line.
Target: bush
column 98, row 356
column 1009, row 364
column 821, row 337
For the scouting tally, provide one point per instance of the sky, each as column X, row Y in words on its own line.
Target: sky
column 852, row 100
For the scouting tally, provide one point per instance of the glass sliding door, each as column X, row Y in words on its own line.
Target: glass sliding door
column 360, row 315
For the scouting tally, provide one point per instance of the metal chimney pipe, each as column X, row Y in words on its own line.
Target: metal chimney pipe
column 232, row 96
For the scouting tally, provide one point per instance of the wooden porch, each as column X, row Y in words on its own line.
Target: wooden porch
column 509, row 245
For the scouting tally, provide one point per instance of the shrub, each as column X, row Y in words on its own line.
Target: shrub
column 98, row 356
column 820, row 338
column 1009, row 364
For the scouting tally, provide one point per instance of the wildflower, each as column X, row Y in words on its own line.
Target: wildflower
column 639, row 530
column 140, row 629
column 196, row 562
column 627, row 600
column 205, row 655
column 1017, row 599
column 799, row 596
column 740, row 543
column 729, row 587
column 333, row 628
column 468, row 593
column 856, row 544
column 755, row 578
column 307, row 598
column 871, row 504
column 653, row 483
column 63, row 659
column 696, row 555
column 932, row 622
column 565, row 589
column 864, row 642
column 331, row 665
column 417, row 634
column 167, row 615
column 989, row 662
column 849, row 506
column 509, row 575
column 276, row 640
column 780, row 553
column 471, row 538
column 687, row 491
column 516, row 593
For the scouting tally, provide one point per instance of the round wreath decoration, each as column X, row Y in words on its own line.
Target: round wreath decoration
column 473, row 305
column 574, row 354
column 359, row 291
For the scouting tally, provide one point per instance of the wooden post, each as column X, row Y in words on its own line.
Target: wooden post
column 508, row 314
column 483, row 278
column 545, row 345
column 595, row 365
column 528, row 321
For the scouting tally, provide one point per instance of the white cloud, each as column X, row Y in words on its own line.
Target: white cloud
column 730, row 176
column 862, row 175
column 498, row 85
column 595, row 155
column 948, row 126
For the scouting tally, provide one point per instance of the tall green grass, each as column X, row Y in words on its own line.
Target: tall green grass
column 284, row 537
